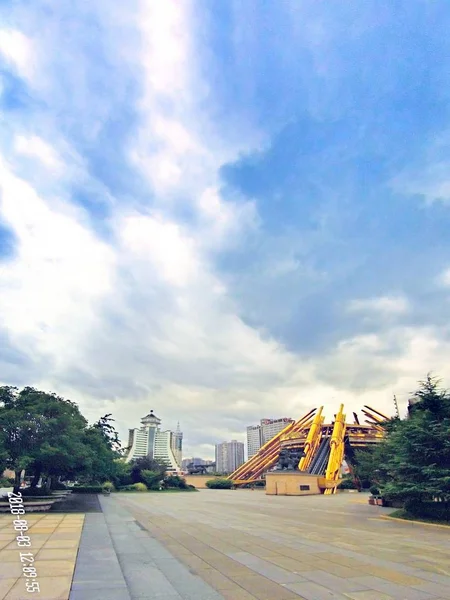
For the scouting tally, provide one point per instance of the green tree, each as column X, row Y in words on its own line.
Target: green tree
column 414, row 459
column 146, row 464
column 152, row 479
column 40, row 430
column 122, row 473
column 49, row 437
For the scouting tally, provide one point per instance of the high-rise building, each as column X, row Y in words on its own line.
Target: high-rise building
column 229, row 456
column 253, row 439
column 258, row 435
column 149, row 440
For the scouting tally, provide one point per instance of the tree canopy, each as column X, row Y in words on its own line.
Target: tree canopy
column 48, row 436
column 413, row 462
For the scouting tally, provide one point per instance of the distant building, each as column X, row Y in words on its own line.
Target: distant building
column 229, row 456
column 253, row 439
column 149, row 440
column 197, row 462
column 258, row 435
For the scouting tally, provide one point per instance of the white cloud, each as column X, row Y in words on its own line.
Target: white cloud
column 17, row 49
column 444, row 278
column 162, row 244
column 49, row 289
column 34, row 146
column 143, row 319
column 382, row 305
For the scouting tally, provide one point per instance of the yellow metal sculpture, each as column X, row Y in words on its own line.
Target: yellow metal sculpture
column 325, row 446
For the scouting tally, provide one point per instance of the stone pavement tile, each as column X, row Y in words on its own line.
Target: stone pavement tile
column 47, row 568
column 272, row 572
column 10, row 555
column 178, row 549
column 285, row 563
column 90, row 587
column 391, row 575
column 102, row 594
column 437, row 589
column 426, row 565
column 345, row 561
column 51, row 588
column 216, row 580
column 393, row 589
column 143, row 578
column 314, row 591
column 64, row 536
column 57, row 554
column 194, row 562
column 369, row 595
column 5, row 586
column 435, row 577
column 10, row 569
column 51, row 543
column 230, row 568
column 238, row 594
column 335, row 569
column 264, row 589
column 334, row 583
column 190, row 586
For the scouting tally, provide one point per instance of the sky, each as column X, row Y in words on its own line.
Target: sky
column 224, row 211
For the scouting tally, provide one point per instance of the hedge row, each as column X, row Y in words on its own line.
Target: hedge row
column 87, row 489
column 428, row 510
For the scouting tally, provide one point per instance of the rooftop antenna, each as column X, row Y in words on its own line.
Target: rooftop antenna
column 397, row 413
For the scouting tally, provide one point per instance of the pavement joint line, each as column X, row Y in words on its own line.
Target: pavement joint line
column 411, row 522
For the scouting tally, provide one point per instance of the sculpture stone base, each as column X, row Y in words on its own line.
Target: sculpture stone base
column 291, row 483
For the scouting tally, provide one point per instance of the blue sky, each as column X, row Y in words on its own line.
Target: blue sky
column 224, row 211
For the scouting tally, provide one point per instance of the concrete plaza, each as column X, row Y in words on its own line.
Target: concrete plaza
column 247, row 545
column 232, row 545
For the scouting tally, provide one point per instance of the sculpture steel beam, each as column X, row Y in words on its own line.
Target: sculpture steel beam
column 321, row 447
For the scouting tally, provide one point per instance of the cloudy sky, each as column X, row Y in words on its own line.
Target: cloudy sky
column 224, row 210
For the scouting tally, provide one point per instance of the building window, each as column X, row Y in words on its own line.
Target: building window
column 304, row 488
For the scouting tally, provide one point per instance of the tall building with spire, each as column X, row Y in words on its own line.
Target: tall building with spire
column 148, row 440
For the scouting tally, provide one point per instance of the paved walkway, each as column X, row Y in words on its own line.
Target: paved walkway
column 247, row 545
column 228, row 545
column 54, row 544
column 119, row 560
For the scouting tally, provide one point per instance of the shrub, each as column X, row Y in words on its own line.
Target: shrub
column 219, row 484
column 134, row 487
column 175, row 481
column 108, row 486
column 6, row 482
column 374, row 490
column 59, row 486
column 347, row 484
column 139, row 487
column 439, row 511
column 37, row 491
column 87, row 489
column 151, row 479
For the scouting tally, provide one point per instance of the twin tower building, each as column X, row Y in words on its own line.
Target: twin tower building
column 150, row 441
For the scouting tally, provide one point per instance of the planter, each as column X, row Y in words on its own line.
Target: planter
column 30, row 507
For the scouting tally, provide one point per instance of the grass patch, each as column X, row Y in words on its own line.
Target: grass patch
column 401, row 513
column 169, row 491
